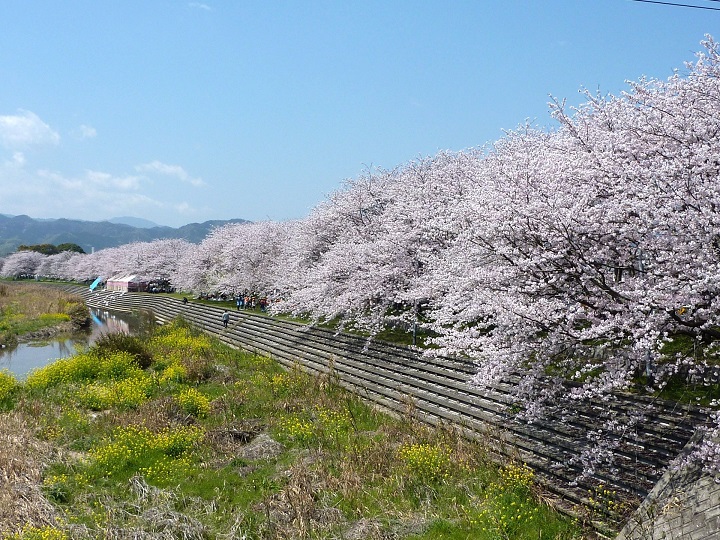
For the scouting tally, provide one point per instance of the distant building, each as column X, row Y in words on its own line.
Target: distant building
column 126, row 284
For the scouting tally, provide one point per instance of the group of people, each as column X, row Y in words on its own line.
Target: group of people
column 241, row 302
column 250, row 302
column 245, row 302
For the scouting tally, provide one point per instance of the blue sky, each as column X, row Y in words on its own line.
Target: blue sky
column 179, row 112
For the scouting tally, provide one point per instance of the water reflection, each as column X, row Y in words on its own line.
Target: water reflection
column 23, row 358
column 106, row 322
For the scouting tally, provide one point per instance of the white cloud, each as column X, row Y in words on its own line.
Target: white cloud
column 92, row 182
column 108, row 180
column 93, row 195
column 162, row 168
column 24, row 129
column 199, row 5
column 86, row 132
column 57, row 180
column 17, row 161
column 176, row 171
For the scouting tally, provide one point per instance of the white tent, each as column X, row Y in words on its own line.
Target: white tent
column 125, row 283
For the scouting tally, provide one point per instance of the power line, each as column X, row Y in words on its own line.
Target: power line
column 679, row 5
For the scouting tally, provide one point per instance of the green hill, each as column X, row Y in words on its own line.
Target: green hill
column 92, row 235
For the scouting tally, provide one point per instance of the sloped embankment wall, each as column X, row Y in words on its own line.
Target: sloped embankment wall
column 437, row 390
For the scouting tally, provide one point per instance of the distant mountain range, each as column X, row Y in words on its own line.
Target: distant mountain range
column 134, row 222
column 17, row 230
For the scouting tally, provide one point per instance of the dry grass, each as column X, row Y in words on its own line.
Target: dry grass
column 347, row 481
column 22, row 461
column 26, row 309
column 150, row 513
column 34, row 300
column 296, row 511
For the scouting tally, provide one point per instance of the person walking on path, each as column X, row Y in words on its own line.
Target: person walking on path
column 225, row 318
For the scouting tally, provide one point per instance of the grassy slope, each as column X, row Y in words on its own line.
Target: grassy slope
column 209, row 442
column 27, row 308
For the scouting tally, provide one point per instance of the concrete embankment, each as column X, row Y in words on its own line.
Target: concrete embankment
column 437, row 390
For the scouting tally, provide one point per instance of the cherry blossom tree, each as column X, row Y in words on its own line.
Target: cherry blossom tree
column 361, row 254
column 236, row 258
column 575, row 255
column 158, row 259
column 87, row 267
column 590, row 248
column 21, row 264
column 56, row 266
column 161, row 259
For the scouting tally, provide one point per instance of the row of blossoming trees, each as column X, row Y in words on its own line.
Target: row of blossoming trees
column 579, row 252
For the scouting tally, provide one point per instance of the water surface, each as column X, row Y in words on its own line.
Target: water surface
column 23, row 358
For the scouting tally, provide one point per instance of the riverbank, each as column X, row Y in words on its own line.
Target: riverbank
column 48, row 332
column 29, row 312
column 173, row 434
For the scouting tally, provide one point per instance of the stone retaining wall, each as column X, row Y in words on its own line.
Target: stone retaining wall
column 684, row 504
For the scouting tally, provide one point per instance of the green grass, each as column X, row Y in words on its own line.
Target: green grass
column 390, row 334
column 158, row 429
column 678, row 386
column 26, row 308
column 17, row 324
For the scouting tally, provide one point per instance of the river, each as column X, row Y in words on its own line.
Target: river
column 23, row 358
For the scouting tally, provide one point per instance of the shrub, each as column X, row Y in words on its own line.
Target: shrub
column 335, row 427
column 127, row 393
column 194, row 403
column 119, row 342
column 51, row 319
column 8, row 383
column 50, row 375
column 165, row 469
column 175, row 337
column 298, row 429
column 124, row 449
column 178, row 344
column 77, row 312
column 57, row 487
column 135, row 449
column 287, row 384
column 117, row 365
column 199, row 369
column 334, row 421
column 425, row 461
column 85, row 367
column 174, row 373
column 179, row 441
column 38, row 533
column 508, row 509
column 517, row 476
column 70, row 425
